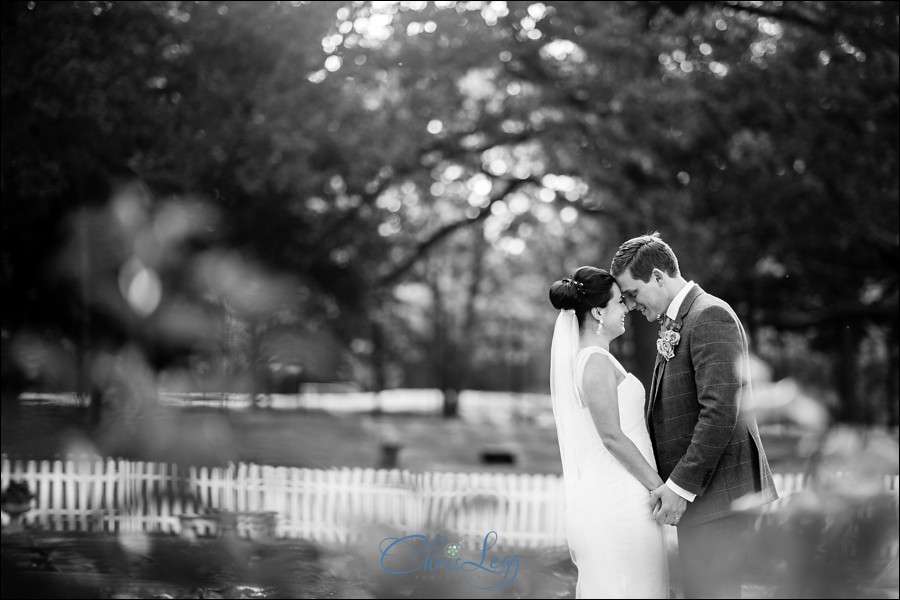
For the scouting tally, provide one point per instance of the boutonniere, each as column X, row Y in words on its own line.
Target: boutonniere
column 668, row 340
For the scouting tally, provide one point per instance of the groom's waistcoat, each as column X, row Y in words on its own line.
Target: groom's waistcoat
column 699, row 412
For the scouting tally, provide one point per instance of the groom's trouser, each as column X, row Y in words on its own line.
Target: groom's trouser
column 713, row 556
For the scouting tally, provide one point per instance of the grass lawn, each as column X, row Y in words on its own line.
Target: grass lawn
column 78, row 565
column 209, row 436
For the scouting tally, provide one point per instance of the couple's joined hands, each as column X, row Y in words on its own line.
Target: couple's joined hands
column 667, row 505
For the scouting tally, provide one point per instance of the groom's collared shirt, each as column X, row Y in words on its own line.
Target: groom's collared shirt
column 672, row 313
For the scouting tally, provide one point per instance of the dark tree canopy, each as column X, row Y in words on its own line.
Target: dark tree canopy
column 400, row 183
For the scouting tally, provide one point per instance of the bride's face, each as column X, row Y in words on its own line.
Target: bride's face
column 614, row 319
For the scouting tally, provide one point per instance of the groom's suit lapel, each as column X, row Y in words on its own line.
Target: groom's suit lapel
column 654, row 387
column 660, row 366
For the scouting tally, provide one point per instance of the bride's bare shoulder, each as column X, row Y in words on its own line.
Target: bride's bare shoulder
column 601, row 368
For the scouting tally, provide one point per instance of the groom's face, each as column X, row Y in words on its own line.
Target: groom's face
column 648, row 298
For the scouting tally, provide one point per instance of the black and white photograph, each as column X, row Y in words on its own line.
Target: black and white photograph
column 460, row 299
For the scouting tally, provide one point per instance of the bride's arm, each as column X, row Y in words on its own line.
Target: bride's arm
column 602, row 399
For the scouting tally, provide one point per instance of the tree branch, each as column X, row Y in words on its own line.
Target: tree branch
column 446, row 146
column 830, row 28
column 423, row 247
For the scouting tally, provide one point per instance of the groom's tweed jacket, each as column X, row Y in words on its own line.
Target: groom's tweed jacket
column 699, row 412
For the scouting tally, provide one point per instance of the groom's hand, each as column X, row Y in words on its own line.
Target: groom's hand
column 671, row 506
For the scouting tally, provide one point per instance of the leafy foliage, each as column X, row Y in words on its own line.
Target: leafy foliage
column 342, row 153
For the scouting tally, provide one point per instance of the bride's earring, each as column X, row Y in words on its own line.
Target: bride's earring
column 599, row 324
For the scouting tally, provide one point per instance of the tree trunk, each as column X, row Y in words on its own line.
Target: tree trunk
column 479, row 248
column 891, row 388
column 846, row 371
column 379, row 362
column 84, row 389
column 256, row 369
column 445, row 356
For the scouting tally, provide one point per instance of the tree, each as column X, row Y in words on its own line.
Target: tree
column 343, row 152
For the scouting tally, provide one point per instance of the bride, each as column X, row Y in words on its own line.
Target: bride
column 607, row 457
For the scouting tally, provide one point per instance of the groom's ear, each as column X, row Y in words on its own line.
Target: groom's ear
column 657, row 276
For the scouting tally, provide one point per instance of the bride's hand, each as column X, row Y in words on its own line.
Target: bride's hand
column 655, row 502
column 670, row 508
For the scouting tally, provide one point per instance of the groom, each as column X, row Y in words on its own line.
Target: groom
column 699, row 414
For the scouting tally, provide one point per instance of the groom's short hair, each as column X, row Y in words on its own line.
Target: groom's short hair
column 642, row 254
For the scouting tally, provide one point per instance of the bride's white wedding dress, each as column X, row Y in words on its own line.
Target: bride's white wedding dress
column 618, row 547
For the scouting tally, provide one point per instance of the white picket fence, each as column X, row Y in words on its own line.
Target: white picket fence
column 329, row 506
column 335, row 505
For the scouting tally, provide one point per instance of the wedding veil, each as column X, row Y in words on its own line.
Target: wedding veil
column 566, row 403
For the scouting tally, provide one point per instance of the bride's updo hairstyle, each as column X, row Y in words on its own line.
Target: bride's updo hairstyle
column 584, row 289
